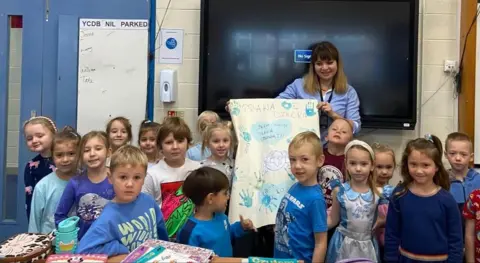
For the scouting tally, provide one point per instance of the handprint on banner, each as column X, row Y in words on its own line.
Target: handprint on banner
column 247, row 198
column 310, row 109
column 245, row 135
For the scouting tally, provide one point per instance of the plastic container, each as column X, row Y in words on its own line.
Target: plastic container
column 68, row 225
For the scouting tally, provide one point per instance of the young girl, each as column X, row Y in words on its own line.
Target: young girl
column 39, row 133
column 147, row 140
column 196, row 153
column 49, row 190
column 354, row 205
column 218, row 138
column 423, row 221
column 119, row 132
column 91, row 192
column 384, row 166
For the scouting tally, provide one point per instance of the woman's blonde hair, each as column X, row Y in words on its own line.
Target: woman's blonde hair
column 325, row 51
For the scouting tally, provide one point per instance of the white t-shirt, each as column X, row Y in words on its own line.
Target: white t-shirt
column 162, row 173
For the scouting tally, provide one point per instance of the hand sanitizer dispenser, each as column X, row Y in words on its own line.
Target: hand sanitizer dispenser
column 168, row 85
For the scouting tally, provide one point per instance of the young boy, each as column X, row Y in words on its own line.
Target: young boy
column 209, row 228
column 132, row 217
column 340, row 133
column 463, row 180
column 301, row 224
column 164, row 180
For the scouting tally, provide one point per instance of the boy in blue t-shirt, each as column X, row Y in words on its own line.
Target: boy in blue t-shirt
column 209, row 228
column 132, row 217
column 301, row 225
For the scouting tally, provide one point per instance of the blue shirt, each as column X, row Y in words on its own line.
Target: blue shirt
column 215, row 234
column 301, row 214
column 45, row 200
column 123, row 227
column 195, row 153
column 88, row 198
column 346, row 105
column 461, row 190
column 428, row 226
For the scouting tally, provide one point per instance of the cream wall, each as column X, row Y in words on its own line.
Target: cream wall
column 438, row 40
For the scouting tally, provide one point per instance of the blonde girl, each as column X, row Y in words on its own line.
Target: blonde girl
column 147, row 140
column 218, row 139
column 49, row 190
column 385, row 165
column 119, row 132
column 354, row 206
column 39, row 132
column 423, row 220
column 195, row 152
column 90, row 192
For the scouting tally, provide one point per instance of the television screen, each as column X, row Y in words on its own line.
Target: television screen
column 248, row 47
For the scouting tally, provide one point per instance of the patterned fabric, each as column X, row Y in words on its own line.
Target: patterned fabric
column 26, row 247
column 471, row 211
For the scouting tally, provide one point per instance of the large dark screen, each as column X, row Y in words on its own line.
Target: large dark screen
column 248, row 51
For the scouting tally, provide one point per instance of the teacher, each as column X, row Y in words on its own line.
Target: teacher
column 326, row 82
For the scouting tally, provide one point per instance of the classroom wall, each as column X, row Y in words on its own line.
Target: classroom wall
column 14, row 79
column 438, row 40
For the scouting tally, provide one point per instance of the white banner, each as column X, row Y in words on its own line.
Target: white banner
column 264, row 128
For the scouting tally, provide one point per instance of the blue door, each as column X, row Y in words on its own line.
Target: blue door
column 59, row 95
column 21, row 26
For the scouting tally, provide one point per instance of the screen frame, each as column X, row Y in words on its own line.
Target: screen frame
column 369, row 122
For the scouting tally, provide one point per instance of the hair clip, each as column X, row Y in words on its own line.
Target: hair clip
column 428, row 137
column 147, row 121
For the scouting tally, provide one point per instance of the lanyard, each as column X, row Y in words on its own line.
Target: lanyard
column 329, row 99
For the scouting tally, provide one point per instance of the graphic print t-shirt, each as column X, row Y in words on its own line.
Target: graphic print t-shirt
column 332, row 169
column 301, row 214
column 88, row 198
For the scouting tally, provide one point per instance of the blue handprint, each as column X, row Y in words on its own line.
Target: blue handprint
column 247, row 198
column 235, row 111
column 286, row 105
column 310, row 109
column 290, row 175
column 245, row 135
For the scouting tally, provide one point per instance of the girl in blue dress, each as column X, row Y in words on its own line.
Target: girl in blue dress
column 355, row 205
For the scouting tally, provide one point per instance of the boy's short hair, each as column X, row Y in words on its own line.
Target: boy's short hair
column 203, row 181
column 175, row 125
column 308, row 137
column 458, row 136
column 128, row 155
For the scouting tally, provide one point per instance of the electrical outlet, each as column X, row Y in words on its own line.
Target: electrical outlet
column 450, row 66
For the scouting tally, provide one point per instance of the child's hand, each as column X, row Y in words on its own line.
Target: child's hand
column 247, row 224
column 28, row 190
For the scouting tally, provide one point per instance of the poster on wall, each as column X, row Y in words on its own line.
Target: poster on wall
column 264, row 128
column 171, row 46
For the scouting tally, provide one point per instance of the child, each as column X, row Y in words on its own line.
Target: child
column 354, row 206
column 209, row 228
column 91, row 192
column 164, row 180
column 463, row 180
column 301, row 224
column 39, row 133
column 472, row 227
column 147, row 140
column 218, row 138
column 384, row 166
column 119, row 132
column 49, row 190
column 423, row 221
column 339, row 134
column 205, row 118
column 132, row 217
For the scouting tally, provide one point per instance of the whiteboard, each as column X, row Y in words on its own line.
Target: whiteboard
column 476, row 128
column 112, row 72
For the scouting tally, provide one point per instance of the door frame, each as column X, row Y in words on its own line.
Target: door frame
column 32, row 12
